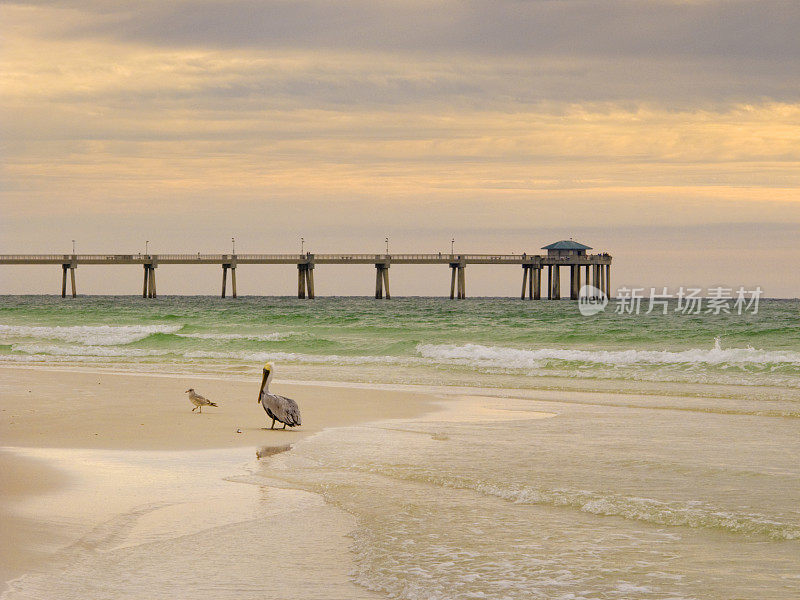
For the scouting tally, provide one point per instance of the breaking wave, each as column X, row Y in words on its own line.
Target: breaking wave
column 657, row 512
column 89, row 335
column 83, row 351
column 266, row 337
column 496, row 356
column 333, row 359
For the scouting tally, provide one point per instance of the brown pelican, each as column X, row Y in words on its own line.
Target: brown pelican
column 198, row 400
column 278, row 408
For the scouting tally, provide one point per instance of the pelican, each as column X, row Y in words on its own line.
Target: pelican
column 198, row 400
column 278, row 408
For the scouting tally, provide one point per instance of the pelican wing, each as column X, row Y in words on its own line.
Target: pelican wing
column 283, row 409
column 292, row 411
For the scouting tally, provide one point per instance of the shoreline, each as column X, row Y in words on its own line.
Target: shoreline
column 48, row 411
column 545, row 384
column 696, row 396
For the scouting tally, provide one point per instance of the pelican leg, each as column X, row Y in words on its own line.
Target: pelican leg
column 194, row 409
column 273, row 424
column 201, row 410
column 284, row 426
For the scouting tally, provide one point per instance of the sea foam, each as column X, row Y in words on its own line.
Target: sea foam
column 498, row 356
column 692, row 514
column 256, row 337
column 82, row 351
column 89, row 335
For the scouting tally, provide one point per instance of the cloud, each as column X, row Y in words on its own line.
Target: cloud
column 763, row 29
column 119, row 109
column 504, row 51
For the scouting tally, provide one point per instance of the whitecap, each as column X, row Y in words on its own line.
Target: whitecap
column 266, row 337
column 89, row 335
column 54, row 350
column 498, row 356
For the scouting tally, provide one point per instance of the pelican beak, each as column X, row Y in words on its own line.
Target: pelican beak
column 263, row 381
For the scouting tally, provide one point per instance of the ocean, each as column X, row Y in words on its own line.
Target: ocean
column 481, row 342
column 605, row 456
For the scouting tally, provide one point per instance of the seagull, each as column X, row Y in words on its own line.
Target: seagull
column 278, row 408
column 198, row 400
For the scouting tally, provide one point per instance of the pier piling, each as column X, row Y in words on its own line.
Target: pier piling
column 305, row 280
column 574, row 281
column 603, row 279
column 382, row 280
column 149, row 285
column 310, row 280
column 458, row 281
column 556, row 282
column 232, row 266
column 531, row 281
column 71, row 266
column 525, row 269
column 153, row 282
column 301, row 281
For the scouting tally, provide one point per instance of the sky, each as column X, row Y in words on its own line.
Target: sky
column 665, row 132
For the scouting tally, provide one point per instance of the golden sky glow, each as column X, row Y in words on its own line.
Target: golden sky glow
column 417, row 123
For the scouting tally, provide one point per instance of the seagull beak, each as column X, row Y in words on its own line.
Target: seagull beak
column 263, row 381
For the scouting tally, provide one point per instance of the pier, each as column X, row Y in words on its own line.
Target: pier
column 584, row 269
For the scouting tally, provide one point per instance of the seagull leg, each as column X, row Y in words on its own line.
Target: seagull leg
column 201, row 409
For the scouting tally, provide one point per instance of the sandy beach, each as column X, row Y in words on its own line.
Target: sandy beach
column 47, row 415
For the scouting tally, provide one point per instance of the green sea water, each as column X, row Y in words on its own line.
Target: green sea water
column 481, row 342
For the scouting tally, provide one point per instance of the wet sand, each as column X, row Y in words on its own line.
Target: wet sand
column 23, row 538
column 42, row 411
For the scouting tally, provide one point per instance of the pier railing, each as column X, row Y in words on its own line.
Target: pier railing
column 200, row 258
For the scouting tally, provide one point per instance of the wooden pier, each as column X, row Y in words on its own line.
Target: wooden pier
column 596, row 268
